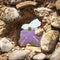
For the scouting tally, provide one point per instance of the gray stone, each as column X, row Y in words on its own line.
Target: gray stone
column 42, row 11
column 56, row 24
column 8, row 14
column 5, row 45
column 39, row 56
column 18, row 54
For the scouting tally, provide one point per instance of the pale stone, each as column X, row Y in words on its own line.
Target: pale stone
column 39, row 56
column 5, row 45
column 56, row 54
column 49, row 40
column 56, row 24
column 58, row 4
column 18, row 54
column 42, row 11
column 8, row 14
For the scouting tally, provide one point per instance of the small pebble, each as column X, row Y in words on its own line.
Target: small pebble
column 5, row 45
column 39, row 56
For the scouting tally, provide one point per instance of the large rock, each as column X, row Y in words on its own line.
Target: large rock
column 18, row 54
column 40, row 56
column 42, row 11
column 58, row 4
column 49, row 41
column 5, row 45
column 8, row 14
column 56, row 55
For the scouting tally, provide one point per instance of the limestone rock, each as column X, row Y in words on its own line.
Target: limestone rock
column 18, row 54
column 49, row 40
column 58, row 4
column 39, row 56
column 42, row 11
column 56, row 55
column 47, row 27
column 31, row 54
column 3, row 57
column 13, row 2
column 26, row 3
column 8, row 14
column 2, row 24
column 32, row 48
column 5, row 45
column 56, row 24
column 39, row 31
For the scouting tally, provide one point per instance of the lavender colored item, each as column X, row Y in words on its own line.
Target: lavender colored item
column 28, row 36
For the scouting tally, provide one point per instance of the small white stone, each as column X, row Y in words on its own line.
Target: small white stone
column 5, row 45
column 18, row 54
column 9, row 14
column 40, row 56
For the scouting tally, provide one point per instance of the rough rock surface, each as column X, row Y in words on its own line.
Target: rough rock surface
column 40, row 56
column 18, row 54
column 8, row 14
column 5, row 45
column 42, row 11
column 49, row 40
column 56, row 24
column 58, row 4
column 56, row 55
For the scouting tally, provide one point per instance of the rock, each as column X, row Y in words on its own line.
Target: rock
column 18, row 54
column 39, row 56
column 56, row 24
column 31, row 54
column 51, row 18
column 26, row 3
column 13, row 2
column 49, row 41
column 8, row 14
column 39, row 31
column 2, row 24
column 47, row 27
column 16, row 48
column 5, row 45
column 3, row 57
column 56, row 54
column 58, row 4
column 58, row 45
column 42, row 11
column 32, row 48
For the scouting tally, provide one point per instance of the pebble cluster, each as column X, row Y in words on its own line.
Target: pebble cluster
column 47, row 34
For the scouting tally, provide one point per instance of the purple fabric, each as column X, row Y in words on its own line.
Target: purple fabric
column 28, row 36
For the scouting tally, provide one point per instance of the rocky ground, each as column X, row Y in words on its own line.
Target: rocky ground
column 15, row 13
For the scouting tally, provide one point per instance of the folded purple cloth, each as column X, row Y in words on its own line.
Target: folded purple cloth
column 28, row 36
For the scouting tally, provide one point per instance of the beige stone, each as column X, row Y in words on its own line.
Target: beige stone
column 49, row 40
